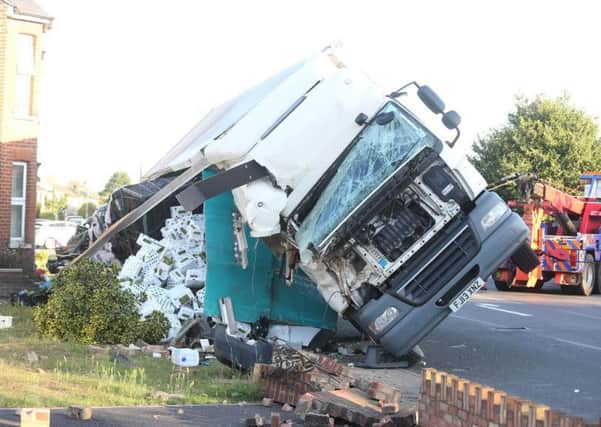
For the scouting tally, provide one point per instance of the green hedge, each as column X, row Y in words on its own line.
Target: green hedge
column 88, row 306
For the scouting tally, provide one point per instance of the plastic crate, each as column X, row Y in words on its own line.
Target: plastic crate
column 6, row 322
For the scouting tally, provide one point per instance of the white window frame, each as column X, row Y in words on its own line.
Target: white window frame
column 19, row 201
column 26, row 71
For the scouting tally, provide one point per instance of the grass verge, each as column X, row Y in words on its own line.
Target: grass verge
column 69, row 374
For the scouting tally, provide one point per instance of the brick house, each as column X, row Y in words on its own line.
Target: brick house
column 22, row 27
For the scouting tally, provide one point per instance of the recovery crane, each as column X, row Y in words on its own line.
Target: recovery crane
column 565, row 233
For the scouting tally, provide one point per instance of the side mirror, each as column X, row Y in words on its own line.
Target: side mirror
column 431, row 99
column 451, row 119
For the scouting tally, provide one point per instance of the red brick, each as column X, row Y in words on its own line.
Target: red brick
column 11, row 151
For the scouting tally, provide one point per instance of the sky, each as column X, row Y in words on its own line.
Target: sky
column 124, row 80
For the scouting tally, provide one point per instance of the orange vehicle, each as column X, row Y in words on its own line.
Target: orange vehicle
column 568, row 245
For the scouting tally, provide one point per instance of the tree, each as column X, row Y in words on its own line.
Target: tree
column 86, row 209
column 56, row 207
column 547, row 136
column 118, row 179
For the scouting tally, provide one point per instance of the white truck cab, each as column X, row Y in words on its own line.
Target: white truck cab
column 394, row 228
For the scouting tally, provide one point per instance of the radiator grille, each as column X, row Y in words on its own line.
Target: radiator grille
column 417, row 285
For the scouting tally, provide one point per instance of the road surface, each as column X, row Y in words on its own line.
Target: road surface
column 544, row 347
column 160, row 416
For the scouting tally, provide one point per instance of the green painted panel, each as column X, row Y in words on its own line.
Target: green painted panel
column 259, row 290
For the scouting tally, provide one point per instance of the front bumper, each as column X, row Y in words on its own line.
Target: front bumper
column 415, row 322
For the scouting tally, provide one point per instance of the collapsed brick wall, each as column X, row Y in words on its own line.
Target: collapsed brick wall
column 449, row 401
column 13, row 151
column 288, row 385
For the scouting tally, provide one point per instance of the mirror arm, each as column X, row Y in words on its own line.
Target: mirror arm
column 452, row 143
column 397, row 92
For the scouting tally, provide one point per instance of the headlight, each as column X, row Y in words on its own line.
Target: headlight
column 384, row 319
column 493, row 215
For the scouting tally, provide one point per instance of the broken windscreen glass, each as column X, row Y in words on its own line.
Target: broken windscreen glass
column 378, row 151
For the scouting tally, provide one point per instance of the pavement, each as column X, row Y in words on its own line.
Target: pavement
column 544, row 347
column 193, row 415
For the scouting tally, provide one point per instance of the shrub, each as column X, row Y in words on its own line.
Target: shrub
column 88, row 306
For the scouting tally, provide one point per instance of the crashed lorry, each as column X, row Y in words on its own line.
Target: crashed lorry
column 347, row 185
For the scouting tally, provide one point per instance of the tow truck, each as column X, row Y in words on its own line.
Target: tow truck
column 565, row 232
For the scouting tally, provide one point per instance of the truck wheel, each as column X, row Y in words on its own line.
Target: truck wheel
column 501, row 285
column 598, row 277
column 525, row 258
column 568, row 289
column 587, row 278
column 539, row 284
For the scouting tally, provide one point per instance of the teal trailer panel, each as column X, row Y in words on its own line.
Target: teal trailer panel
column 259, row 290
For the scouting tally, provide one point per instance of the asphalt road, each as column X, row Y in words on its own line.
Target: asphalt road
column 544, row 347
column 192, row 415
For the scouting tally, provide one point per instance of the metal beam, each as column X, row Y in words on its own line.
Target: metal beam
column 195, row 195
column 197, row 167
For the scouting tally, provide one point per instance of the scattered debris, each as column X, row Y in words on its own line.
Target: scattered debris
column 267, row 402
column 287, row 408
column 32, row 357
column 353, row 406
column 98, row 349
column 180, row 411
column 313, row 419
column 185, row 357
column 35, row 417
column 275, row 419
column 169, row 275
column 6, row 322
column 383, row 392
column 79, row 412
column 320, row 386
column 165, row 397
column 256, row 421
column 293, row 374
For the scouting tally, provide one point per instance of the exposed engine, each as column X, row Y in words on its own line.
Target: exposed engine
column 398, row 227
column 407, row 219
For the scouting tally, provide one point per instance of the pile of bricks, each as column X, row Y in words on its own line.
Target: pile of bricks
column 325, row 392
column 288, row 385
column 446, row 400
column 358, row 407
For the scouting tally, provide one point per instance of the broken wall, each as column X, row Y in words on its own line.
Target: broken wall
column 448, row 401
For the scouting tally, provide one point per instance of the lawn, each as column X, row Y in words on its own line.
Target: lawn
column 67, row 374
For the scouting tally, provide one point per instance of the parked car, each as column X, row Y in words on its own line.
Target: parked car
column 54, row 234
column 75, row 219
column 41, row 221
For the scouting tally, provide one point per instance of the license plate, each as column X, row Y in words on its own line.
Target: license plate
column 466, row 294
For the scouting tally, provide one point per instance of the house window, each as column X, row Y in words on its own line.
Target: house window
column 25, row 75
column 18, row 197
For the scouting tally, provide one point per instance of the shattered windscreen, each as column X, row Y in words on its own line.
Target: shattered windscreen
column 377, row 152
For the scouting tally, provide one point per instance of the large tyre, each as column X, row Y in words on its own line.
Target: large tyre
column 525, row 258
column 587, row 278
column 504, row 286
column 598, row 281
column 539, row 284
column 569, row 289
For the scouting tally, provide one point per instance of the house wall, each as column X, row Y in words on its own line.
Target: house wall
column 16, row 128
column 25, row 151
column 18, row 138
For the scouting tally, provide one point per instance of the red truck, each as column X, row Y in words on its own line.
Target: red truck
column 565, row 233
